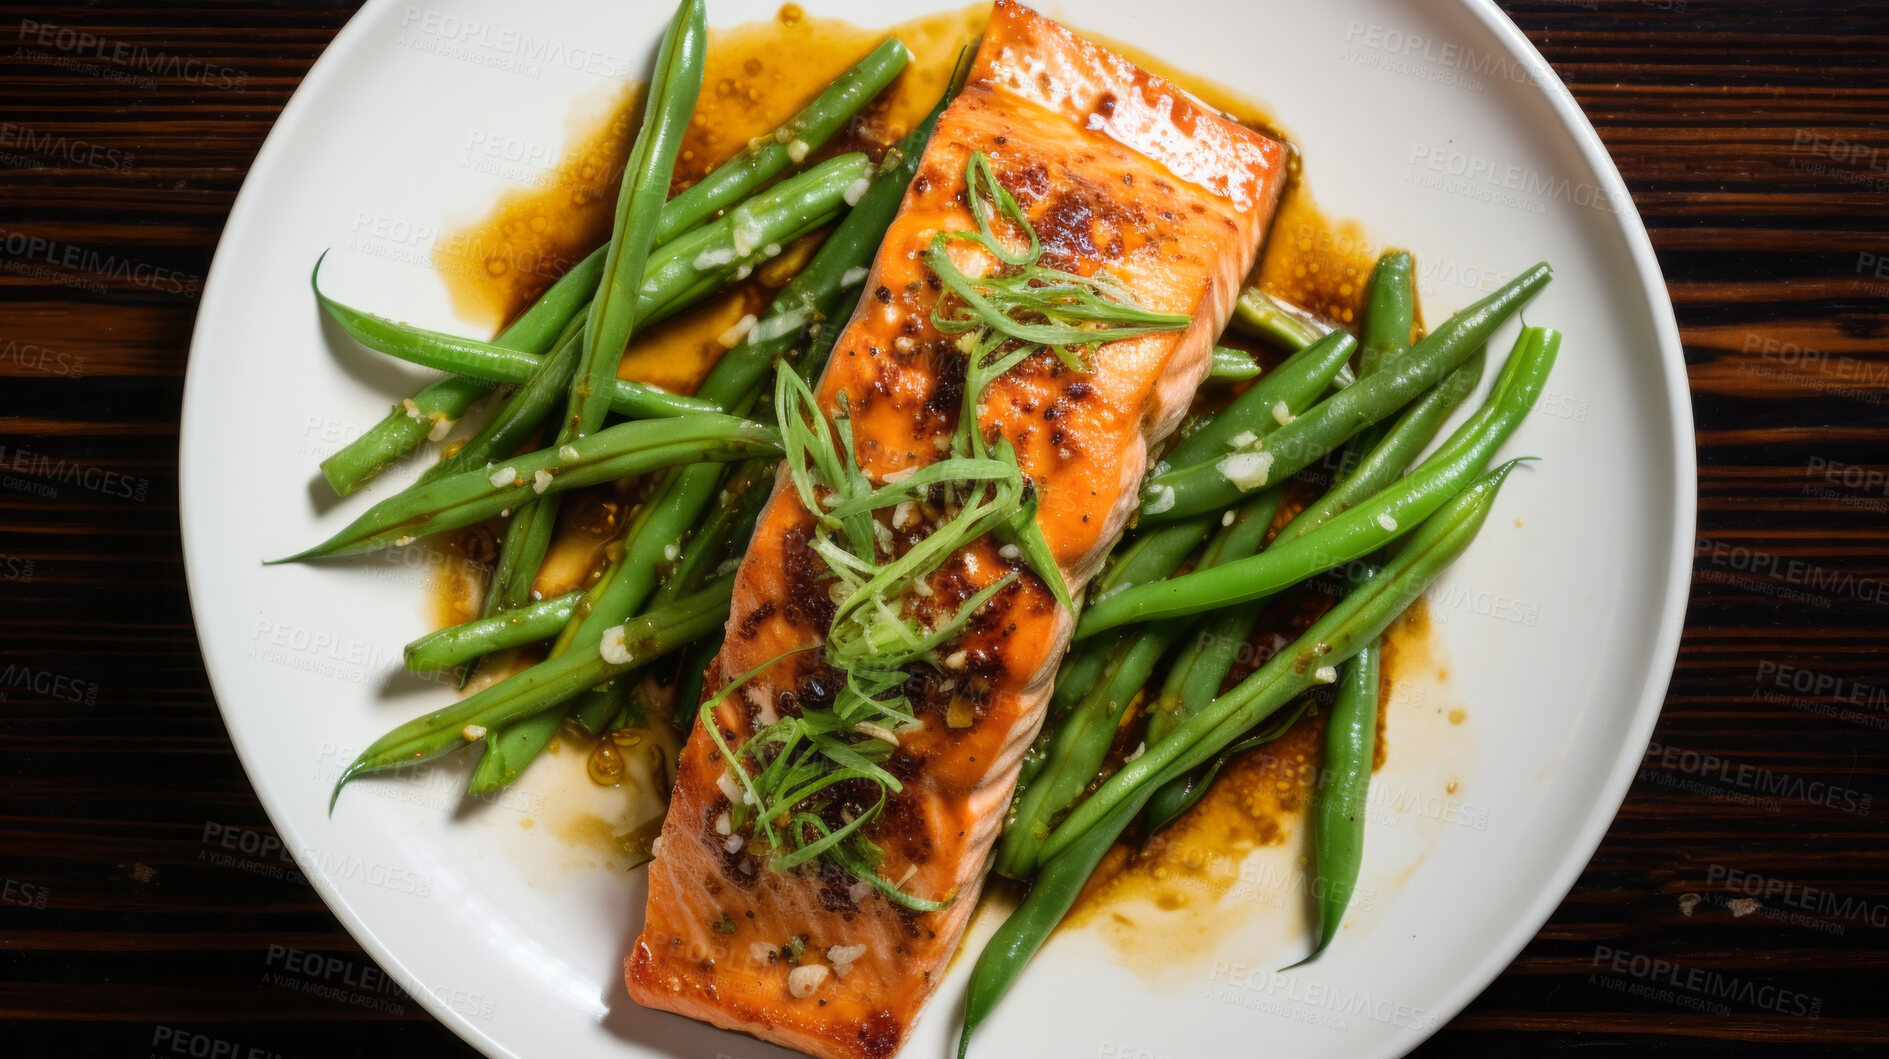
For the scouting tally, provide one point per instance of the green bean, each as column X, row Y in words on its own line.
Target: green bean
column 1277, row 320
column 724, row 537
column 785, row 212
column 1214, row 482
column 1344, row 779
column 467, row 641
column 592, row 710
column 806, row 300
column 626, row 449
column 770, row 156
column 809, row 303
column 1231, row 365
column 675, row 505
column 515, row 745
column 1150, row 556
column 521, row 414
column 802, row 302
column 668, row 102
column 802, row 305
column 812, row 127
column 491, row 362
column 528, row 537
column 1080, row 843
column 819, row 283
column 661, row 521
column 1182, row 793
column 790, row 203
column 1244, row 535
column 509, row 748
column 755, row 230
column 535, row 330
column 383, row 444
column 1077, row 748
column 649, row 541
column 1362, row 529
column 823, row 337
column 631, row 715
column 732, row 181
column 1354, row 622
column 645, row 639
column 1390, row 313
column 1146, row 557
column 1386, row 460
column 512, row 746
column 1080, row 743
column 1026, row 928
column 1196, row 677
column 1293, row 384
column 521, row 552
column 695, row 662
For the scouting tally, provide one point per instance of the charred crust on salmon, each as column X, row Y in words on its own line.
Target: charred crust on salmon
column 751, row 622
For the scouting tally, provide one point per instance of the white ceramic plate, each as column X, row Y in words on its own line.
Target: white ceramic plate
column 1437, row 123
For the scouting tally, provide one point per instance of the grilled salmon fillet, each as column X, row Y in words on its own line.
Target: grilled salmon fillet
column 1117, row 170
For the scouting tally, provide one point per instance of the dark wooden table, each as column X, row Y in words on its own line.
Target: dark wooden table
column 1740, row 903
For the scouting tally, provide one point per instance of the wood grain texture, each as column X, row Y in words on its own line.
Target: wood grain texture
column 1732, row 122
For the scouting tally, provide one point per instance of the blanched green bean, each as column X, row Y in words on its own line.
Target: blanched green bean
column 467, row 641
column 728, row 184
column 1362, row 529
column 1080, row 843
column 1196, row 677
column 1243, row 536
column 467, row 721
column 521, row 413
column 1385, row 462
column 624, row 450
column 803, row 305
column 1344, row 781
column 1359, row 618
column 668, row 102
column 1146, row 557
column 1277, row 320
column 1390, row 314
column 1218, row 480
column 412, row 420
column 1077, row 745
column 1258, row 412
column 695, row 662
column 1179, row 795
column 773, row 218
column 1231, row 365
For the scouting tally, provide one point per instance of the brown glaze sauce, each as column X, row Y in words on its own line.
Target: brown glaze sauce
column 758, row 75
column 497, row 264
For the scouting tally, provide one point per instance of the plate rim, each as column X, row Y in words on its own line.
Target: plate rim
column 323, row 70
column 1603, row 808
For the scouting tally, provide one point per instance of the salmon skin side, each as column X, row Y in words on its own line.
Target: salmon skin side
column 1117, row 170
